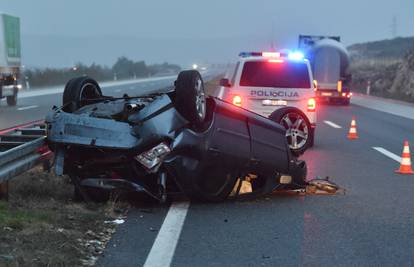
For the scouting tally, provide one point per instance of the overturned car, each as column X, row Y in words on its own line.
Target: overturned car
column 178, row 141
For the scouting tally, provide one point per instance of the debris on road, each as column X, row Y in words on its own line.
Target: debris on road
column 322, row 186
column 116, row 221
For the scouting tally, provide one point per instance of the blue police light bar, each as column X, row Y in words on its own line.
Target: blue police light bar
column 297, row 55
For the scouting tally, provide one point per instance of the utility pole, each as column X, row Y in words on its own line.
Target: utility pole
column 394, row 27
column 272, row 41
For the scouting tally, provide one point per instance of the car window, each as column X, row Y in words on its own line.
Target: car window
column 233, row 78
column 275, row 74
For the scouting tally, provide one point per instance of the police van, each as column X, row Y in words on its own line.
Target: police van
column 278, row 86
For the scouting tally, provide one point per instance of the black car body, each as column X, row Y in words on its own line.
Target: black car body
column 148, row 144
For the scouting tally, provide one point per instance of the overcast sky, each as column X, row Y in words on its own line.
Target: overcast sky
column 250, row 21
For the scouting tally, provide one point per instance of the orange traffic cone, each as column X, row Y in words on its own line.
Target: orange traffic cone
column 405, row 165
column 353, row 131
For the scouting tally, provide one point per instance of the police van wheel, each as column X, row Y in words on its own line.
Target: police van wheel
column 299, row 133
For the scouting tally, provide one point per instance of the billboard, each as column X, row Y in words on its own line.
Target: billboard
column 11, row 36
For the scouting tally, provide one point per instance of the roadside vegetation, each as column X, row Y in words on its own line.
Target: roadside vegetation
column 123, row 68
column 41, row 225
column 386, row 66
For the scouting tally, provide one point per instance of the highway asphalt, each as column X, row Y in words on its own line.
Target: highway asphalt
column 372, row 224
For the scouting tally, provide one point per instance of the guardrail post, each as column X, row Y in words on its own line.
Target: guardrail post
column 4, row 190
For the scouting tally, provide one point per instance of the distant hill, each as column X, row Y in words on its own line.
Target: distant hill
column 386, row 49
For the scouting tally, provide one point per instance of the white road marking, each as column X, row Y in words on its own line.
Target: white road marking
column 388, row 153
column 334, row 125
column 163, row 249
column 28, row 107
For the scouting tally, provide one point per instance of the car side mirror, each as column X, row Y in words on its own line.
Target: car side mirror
column 225, row 82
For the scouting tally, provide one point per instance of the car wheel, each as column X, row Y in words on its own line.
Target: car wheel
column 190, row 98
column 12, row 100
column 77, row 90
column 298, row 128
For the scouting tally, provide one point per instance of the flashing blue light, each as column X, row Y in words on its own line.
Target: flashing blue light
column 296, row 55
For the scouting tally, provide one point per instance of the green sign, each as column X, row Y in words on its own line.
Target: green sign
column 12, row 35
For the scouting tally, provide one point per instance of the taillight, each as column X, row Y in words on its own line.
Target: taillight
column 237, row 101
column 311, row 104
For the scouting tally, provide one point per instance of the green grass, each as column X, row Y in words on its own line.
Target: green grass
column 18, row 219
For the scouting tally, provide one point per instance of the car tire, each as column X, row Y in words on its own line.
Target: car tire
column 301, row 133
column 12, row 100
column 190, row 99
column 312, row 140
column 77, row 90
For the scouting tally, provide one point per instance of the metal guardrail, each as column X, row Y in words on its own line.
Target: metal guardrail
column 21, row 148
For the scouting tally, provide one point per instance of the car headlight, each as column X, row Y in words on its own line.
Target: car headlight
column 153, row 157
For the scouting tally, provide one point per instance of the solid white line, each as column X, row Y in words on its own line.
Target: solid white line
column 388, row 153
column 334, row 125
column 28, row 107
column 162, row 251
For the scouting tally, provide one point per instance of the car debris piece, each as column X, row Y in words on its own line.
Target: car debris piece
column 323, row 186
column 157, row 144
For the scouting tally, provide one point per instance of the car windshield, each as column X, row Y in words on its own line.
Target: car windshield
column 275, row 74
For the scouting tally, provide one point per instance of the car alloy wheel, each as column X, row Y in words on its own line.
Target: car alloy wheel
column 200, row 100
column 297, row 131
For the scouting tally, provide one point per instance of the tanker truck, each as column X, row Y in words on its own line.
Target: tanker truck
column 329, row 60
column 10, row 59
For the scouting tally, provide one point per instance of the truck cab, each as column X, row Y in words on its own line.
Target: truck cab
column 10, row 58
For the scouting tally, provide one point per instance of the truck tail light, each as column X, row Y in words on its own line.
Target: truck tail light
column 339, row 86
column 237, row 100
column 311, row 104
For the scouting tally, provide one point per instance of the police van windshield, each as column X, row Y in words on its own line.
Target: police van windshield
column 281, row 74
